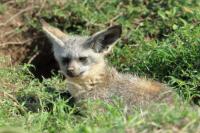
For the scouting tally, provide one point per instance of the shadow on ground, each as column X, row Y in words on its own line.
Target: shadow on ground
column 34, row 103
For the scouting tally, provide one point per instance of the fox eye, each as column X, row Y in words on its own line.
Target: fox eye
column 83, row 59
column 66, row 60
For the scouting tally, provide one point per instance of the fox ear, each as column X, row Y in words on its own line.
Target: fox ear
column 53, row 34
column 102, row 41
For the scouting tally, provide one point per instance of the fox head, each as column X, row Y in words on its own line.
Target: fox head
column 78, row 56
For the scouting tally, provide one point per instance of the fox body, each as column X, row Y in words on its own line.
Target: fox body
column 81, row 60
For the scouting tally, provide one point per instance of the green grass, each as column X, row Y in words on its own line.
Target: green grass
column 37, row 107
column 161, row 40
column 174, row 60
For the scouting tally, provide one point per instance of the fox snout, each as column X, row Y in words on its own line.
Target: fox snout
column 73, row 73
column 72, row 70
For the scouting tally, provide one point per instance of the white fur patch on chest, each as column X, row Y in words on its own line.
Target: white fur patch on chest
column 80, row 86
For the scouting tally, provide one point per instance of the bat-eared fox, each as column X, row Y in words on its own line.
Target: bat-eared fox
column 82, row 61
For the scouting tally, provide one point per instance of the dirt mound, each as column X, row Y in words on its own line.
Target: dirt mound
column 22, row 44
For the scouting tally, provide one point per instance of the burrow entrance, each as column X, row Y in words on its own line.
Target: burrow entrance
column 37, row 52
column 40, row 55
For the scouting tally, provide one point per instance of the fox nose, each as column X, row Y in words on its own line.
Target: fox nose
column 71, row 72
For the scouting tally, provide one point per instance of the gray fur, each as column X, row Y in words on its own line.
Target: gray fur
column 74, row 47
column 94, row 78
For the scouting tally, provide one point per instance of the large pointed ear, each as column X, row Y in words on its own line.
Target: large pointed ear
column 102, row 41
column 53, row 34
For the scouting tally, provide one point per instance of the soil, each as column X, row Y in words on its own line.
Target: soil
column 22, row 44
